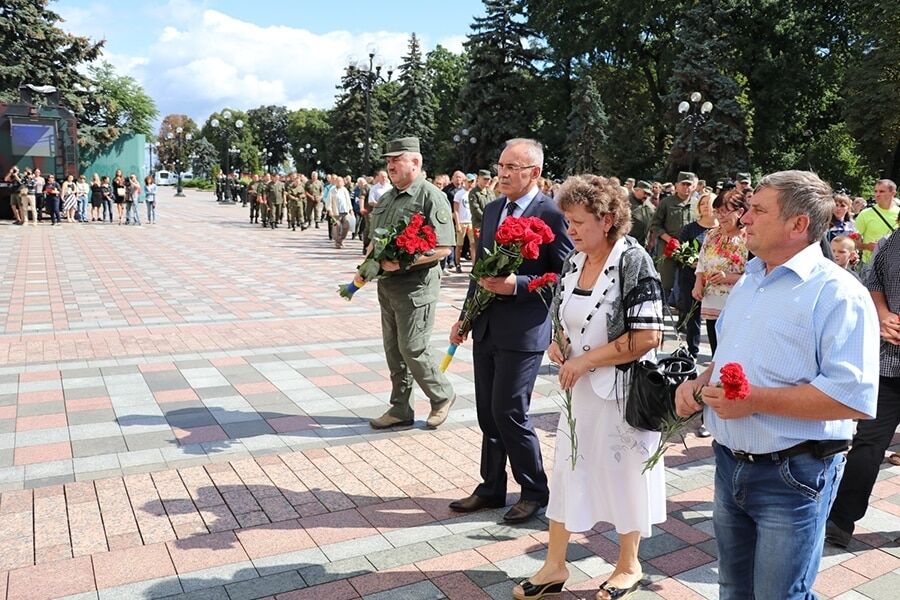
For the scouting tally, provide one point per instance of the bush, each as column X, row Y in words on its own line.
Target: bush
column 199, row 184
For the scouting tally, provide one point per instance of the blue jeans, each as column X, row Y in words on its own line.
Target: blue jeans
column 769, row 520
column 107, row 209
column 81, row 210
column 151, row 211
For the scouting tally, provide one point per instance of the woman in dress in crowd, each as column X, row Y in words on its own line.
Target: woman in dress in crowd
column 723, row 256
column 841, row 218
column 610, row 304
column 69, row 198
column 96, row 197
column 82, row 191
column 150, row 198
column 119, row 195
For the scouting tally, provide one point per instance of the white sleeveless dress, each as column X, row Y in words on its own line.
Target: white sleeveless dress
column 607, row 484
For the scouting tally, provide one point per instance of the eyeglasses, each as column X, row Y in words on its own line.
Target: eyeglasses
column 511, row 168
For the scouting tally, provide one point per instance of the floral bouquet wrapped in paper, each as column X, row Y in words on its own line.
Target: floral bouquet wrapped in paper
column 736, row 387
column 402, row 243
column 517, row 238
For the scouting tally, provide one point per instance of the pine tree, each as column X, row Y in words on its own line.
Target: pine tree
column 497, row 102
column 587, row 128
column 716, row 148
column 413, row 110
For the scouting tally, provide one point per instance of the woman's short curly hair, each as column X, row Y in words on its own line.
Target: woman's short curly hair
column 599, row 197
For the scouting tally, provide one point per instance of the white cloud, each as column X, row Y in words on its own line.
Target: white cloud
column 209, row 60
column 454, row 43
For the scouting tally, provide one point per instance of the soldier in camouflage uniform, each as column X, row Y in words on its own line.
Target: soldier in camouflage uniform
column 408, row 298
column 253, row 195
column 480, row 196
column 275, row 198
column 641, row 211
column 673, row 213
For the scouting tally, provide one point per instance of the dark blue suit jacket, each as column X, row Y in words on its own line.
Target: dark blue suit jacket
column 521, row 321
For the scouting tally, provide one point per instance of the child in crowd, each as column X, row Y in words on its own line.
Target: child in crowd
column 843, row 248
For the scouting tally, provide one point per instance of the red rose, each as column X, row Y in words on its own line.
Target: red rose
column 538, row 226
column 734, row 382
column 854, row 236
column 671, row 246
column 531, row 250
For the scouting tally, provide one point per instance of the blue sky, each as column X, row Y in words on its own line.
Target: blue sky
column 198, row 56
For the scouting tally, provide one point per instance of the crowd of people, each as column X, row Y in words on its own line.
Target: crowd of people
column 36, row 197
column 776, row 266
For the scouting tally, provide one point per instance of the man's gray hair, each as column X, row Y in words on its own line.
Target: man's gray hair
column 533, row 147
column 803, row 193
column 891, row 186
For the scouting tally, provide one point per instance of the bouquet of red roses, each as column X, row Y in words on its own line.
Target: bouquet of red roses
column 516, row 239
column 402, row 243
column 731, row 379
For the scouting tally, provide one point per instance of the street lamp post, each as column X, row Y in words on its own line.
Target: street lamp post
column 369, row 75
column 695, row 115
column 460, row 139
column 181, row 136
column 229, row 132
column 308, row 154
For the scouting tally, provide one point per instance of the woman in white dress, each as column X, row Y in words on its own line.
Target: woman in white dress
column 610, row 305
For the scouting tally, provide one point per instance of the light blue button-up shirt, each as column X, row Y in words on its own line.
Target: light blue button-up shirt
column 808, row 321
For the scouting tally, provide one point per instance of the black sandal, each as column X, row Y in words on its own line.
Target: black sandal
column 532, row 591
column 617, row 593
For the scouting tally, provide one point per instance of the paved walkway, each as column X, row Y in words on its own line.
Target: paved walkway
column 183, row 414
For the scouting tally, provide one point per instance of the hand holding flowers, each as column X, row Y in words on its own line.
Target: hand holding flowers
column 692, row 395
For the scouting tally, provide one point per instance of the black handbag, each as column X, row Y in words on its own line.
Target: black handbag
column 651, row 398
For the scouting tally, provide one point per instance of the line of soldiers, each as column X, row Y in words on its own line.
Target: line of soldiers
column 270, row 194
column 231, row 189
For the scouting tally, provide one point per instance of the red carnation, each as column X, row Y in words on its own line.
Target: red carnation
column 854, row 235
column 734, row 382
column 671, row 247
column 542, row 281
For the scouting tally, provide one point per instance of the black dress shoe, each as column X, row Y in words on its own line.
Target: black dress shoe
column 473, row 503
column 523, row 510
column 836, row 536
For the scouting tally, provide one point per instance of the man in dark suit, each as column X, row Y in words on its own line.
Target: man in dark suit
column 510, row 338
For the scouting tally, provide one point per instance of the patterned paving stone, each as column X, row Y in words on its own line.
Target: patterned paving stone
column 221, row 450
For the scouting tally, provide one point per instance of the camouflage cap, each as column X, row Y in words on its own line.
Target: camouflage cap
column 686, row 176
column 485, row 173
column 401, row 146
column 743, row 177
column 644, row 185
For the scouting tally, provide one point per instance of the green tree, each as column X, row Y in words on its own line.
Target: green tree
column 308, row 129
column 587, row 128
column 269, row 125
column 118, row 105
column 35, row 50
column 414, row 107
column 872, row 87
column 226, row 134
column 168, row 148
column 348, row 124
column 447, row 73
column 717, row 147
column 204, row 158
column 497, row 101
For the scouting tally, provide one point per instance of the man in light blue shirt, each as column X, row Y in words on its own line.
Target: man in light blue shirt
column 806, row 334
